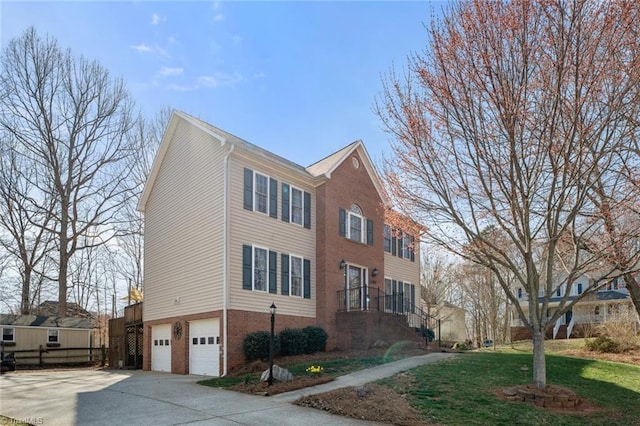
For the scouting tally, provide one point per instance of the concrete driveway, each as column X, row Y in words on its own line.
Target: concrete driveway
column 111, row 397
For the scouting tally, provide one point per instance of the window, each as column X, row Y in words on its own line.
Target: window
column 519, row 293
column 406, row 246
column 351, row 225
column 558, row 292
column 8, row 334
column 387, row 238
column 296, row 206
column 388, row 295
column 355, row 224
column 296, row 276
column 52, row 335
column 259, row 269
column 596, row 311
column 261, row 193
column 579, row 288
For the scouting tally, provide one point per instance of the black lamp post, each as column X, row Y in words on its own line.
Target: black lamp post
column 272, row 309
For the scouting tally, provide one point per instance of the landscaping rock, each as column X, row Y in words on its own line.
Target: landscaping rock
column 279, row 374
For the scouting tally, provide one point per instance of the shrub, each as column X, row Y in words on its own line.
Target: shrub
column 603, row 344
column 256, row 345
column 293, row 341
column 460, row 346
column 316, row 339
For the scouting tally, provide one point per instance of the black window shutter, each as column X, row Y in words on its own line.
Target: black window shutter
column 285, row 202
column 273, row 198
column 413, row 299
column 401, row 298
column 248, row 189
column 394, row 244
column 413, row 249
column 273, row 274
column 307, row 210
column 307, row 278
column 284, row 274
column 246, row 267
column 370, row 232
column 342, row 222
column 396, row 295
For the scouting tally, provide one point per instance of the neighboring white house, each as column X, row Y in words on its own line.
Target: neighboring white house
column 612, row 300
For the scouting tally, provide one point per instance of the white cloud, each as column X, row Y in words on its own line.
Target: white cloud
column 212, row 81
column 220, row 79
column 216, row 5
column 170, row 72
column 142, row 48
column 155, row 19
column 218, row 17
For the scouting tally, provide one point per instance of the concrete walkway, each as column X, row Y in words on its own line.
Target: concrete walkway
column 108, row 397
column 365, row 376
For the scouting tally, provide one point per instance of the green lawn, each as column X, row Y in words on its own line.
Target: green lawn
column 460, row 391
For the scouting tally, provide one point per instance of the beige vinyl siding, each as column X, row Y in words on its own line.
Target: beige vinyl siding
column 183, row 228
column 31, row 338
column 251, row 227
column 404, row 270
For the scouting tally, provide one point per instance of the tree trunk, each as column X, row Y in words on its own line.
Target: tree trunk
column 634, row 290
column 25, row 305
column 539, row 363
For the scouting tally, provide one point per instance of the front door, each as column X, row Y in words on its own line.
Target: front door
column 355, row 288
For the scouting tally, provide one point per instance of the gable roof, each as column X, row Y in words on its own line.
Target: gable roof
column 327, row 165
column 49, row 308
column 44, row 321
column 317, row 172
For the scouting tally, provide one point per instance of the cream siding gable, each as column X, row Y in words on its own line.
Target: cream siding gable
column 255, row 228
column 184, row 226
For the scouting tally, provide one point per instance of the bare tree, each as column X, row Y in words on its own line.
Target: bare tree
column 71, row 123
column 24, row 237
column 507, row 119
column 438, row 284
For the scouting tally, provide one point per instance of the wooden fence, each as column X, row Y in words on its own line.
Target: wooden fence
column 43, row 356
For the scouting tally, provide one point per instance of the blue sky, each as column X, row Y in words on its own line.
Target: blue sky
column 297, row 78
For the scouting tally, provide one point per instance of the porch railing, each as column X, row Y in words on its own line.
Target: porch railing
column 572, row 323
column 373, row 299
column 557, row 326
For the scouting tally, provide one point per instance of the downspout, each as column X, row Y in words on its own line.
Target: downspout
column 225, row 272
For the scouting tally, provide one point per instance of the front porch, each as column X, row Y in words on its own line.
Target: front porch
column 367, row 315
column 581, row 321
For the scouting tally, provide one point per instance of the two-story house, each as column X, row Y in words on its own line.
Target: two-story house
column 610, row 301
column 231, row 228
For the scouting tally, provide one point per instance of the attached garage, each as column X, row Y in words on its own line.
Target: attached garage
column 204, row 347
column 161, row 348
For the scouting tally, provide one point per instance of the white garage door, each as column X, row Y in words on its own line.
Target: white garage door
column 161, row 348
column 204, row 347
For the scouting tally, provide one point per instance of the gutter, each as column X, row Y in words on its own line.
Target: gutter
column 225, row 251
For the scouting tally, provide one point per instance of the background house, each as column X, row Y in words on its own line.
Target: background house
column 231, row 228
column 67, row 340
column 610, row 301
